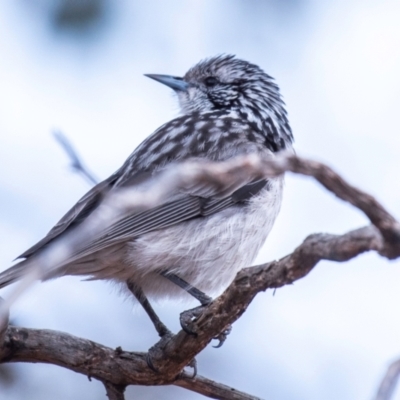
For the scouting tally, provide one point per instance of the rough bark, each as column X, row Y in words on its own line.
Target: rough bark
column 117, row 368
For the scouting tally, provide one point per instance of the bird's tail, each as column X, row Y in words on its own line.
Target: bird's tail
column 13, row 274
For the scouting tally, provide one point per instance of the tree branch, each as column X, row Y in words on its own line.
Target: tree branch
column 115, row 368
column 389, row 381
column 172, row 353
column 211, row 389
column 386, row 223
column 76, row 162
column 114, row 392
column 272, row 167
column 227, row 308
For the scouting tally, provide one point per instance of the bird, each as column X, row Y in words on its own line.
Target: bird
column 191, row 244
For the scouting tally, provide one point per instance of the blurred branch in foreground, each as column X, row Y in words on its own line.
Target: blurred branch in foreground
column 118, row 368
column 76, row 162
column 389, row 382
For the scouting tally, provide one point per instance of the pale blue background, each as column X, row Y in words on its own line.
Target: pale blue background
column 329, row 336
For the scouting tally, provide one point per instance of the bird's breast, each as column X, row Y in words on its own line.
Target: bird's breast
column 206, row 252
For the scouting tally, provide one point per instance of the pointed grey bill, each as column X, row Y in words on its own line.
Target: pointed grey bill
column 172, row 81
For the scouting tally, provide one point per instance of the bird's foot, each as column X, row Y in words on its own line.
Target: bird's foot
column 222, row 336
column 193, row 365
column 188, row 316
column 152, row 353
column 162, row 330
column 154, row 350
column 149, row 362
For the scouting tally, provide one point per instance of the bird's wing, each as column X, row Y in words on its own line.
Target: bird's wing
column 76, row 214
column 166, row 215
column 213, row 136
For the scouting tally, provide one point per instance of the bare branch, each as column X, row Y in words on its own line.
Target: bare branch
column 225, row 177
column 389, row 381
column 114, row 392
column 99, row 362
column 171, row 354
column 212, row 389
column 386, row 223
column 227, row 308
column 220, row 179
column 76, row 162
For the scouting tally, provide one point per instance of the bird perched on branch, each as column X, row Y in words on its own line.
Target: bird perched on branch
column 192, row 243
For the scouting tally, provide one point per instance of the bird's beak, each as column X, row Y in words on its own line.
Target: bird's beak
column 172, row 81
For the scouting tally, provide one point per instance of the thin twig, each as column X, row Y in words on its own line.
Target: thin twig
column 389, row 381
column 212, row 389
column 377, row 214
column 76, row 162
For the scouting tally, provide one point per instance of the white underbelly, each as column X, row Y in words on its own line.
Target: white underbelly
column 206, row 252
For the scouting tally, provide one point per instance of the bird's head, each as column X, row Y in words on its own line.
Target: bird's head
column 222, row 82
column 228, row 83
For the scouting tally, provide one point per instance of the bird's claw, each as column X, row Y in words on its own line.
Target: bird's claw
column 222, row 336
column 193, row 364
column 148, row 358
column 187, row 317
column 150, row 363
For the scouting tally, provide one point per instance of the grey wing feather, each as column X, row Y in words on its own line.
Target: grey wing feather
column 137, row 224
column 166, row 215
column 133, row 225
column 12, row 274
column 75, row 215
column 141, row 165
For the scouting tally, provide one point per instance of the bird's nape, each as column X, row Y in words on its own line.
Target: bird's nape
column 196, row 240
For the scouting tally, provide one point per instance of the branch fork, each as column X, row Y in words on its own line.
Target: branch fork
column 118, row 369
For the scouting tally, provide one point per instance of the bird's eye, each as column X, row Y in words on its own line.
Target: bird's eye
column 210, row 81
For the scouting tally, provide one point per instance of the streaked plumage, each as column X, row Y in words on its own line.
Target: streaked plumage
column 229, row 107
